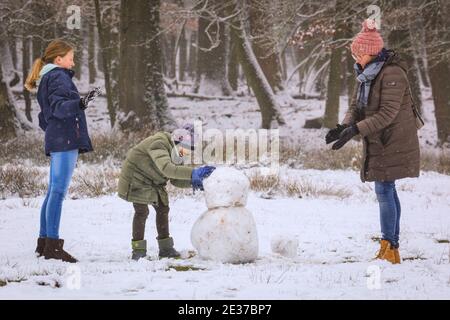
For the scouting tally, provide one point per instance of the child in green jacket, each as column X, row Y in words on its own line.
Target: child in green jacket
column 145, row 172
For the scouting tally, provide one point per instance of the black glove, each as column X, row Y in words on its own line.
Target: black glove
column 94, row 93
column 333, row 134
column 345, row 136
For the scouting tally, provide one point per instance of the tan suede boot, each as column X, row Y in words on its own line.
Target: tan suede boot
column 398, row 260
column 390, row 255
column 383, row 246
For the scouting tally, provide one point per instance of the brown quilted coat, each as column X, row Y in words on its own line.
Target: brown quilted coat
column 387, row 125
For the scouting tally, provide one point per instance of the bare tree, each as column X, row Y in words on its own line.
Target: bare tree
column 270, row 110
column 106, row 59
column 142, row 100
column 265, row 48
column 335, row 70
column 438, row 51
column 212, row 50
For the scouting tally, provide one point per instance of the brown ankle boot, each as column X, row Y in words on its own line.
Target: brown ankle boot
column 54, row 250
column 390, row 255
column 383, row 246
column 40, row 247
column 397, row 256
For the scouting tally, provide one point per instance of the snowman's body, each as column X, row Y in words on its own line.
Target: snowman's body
column 226, row 232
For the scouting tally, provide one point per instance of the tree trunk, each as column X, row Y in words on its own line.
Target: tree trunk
column 211, row 77
column 172, row 55
column 192, row 65
column 142, row 100
column 265, row 51
column 106, row 63
column 233, row 67
column 182, row 59
column 25, row 71
column 331, row 117
column 350, row 75
column 7, row 123
column 134, row 26
column 270, row 110
column 91, row 53
column 11, row 121
column 417, row 35
column 439, row 65
column 400, row 41
column 155, row 93
column 110, row 27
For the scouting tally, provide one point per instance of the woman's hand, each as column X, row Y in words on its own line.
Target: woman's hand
column 334, row 134
column 345, row 136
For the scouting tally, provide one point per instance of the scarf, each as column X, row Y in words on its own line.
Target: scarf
column 47, row 68
column 367, row 75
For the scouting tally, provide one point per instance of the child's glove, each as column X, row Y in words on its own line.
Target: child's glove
column 345, row 136
column 334, row 133
column 94, row 93
column 198, row 174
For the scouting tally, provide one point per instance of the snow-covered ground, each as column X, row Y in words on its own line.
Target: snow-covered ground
column 334, row 256
column 337, row 235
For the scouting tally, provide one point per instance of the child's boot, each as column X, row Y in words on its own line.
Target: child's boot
column 54, row 250
column 139, row 249
column 40, row 247
column 166, row 249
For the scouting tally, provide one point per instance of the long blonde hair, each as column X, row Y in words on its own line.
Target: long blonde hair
column 56, row 48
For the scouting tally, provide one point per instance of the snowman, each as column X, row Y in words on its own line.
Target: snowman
column 226, row 232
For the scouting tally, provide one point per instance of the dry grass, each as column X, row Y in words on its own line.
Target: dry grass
column 23, row 148
column 94, row 182
column 114, row 146
column 308, row 189
column 19, row 158
column 21, row 180
column 30, row 148
column 321, row 158
column 436, row 161
column 291, row 188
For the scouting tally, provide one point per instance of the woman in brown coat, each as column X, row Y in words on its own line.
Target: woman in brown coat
column 382, row 113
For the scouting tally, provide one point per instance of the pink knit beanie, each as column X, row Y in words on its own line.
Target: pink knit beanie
column 368, row 41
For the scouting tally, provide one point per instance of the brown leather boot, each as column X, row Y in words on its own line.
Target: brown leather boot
column 54, row 250
column 390, row 255
column 398, row 260
column 40, row 247
column 383, row 246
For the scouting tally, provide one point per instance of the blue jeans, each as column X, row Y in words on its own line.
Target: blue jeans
column 62, row 165
column 390, row 211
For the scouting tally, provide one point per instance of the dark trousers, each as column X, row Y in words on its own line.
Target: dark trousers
column 140, row 217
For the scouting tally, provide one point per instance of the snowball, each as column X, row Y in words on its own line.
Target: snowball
column 226, row 187
column 286, row 246
column 226, row 235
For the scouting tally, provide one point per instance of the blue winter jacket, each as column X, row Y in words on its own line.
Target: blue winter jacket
column 61, row 117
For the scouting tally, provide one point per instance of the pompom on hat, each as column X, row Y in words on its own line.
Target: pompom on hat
column 368, row 41
column 184, row 136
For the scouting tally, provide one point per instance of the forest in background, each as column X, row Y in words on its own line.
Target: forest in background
column 277, row 51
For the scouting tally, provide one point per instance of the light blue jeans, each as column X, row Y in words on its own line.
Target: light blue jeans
column 62, row 165
column 390, row 211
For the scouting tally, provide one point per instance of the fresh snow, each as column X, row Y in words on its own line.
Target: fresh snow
column 337, row 237
column 333, row 259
